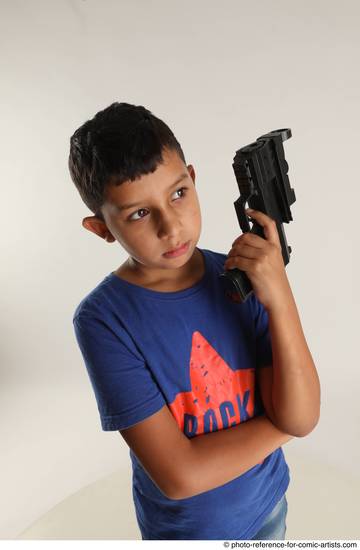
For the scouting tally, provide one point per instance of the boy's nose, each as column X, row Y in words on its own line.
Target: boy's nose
column 169, row 226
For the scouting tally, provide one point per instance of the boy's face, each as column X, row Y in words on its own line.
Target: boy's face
column 166, row 214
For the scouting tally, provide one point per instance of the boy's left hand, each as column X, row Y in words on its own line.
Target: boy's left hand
column 262, row 261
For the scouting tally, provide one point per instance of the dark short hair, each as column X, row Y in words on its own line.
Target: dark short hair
column 120, row 143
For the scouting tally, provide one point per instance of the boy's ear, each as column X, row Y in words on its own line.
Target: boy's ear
column 191, row 171
column 97, row 226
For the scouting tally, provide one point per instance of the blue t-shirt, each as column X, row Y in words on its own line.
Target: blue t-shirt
column 195, row 351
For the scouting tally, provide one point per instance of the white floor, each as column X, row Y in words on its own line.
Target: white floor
column 323, row 504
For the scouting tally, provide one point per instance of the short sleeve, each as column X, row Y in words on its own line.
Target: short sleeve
column 262, row 333
column 125, row 389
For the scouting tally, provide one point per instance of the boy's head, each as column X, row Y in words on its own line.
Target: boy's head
column 126, row 155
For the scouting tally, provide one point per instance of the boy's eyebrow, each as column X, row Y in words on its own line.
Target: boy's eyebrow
column 127, row 206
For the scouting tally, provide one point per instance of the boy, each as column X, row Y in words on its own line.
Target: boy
column 204, row 391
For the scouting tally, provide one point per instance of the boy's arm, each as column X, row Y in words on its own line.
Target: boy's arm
column 183, row 467
column 221, row 456
column 295, row 384
column 264, row 377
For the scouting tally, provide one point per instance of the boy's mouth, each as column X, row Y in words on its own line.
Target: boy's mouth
column 177, row 251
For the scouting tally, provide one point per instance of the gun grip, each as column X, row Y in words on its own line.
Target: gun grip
column 236, row 284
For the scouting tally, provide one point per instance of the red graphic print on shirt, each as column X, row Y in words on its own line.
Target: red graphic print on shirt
column 219, row 397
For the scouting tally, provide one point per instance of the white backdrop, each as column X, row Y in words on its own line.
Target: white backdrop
column 220, row 75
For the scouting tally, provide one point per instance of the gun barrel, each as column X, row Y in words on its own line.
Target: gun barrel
column 261, row 173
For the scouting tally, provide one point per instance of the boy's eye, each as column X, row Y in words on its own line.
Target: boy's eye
column 137, row 211
column 132, row 218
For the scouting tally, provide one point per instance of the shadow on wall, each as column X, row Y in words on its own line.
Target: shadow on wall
column 322, row 505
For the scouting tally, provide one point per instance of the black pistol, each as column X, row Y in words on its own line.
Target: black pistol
column 261, row 173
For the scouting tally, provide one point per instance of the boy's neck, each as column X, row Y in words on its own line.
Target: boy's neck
column 183, row 278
